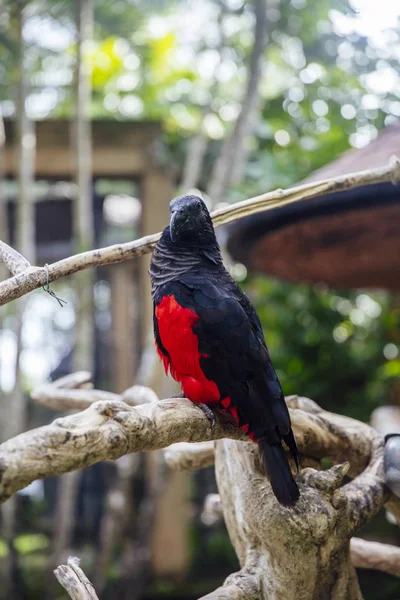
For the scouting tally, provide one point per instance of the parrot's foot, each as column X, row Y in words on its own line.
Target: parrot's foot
column 208, row 412
column 206, row 409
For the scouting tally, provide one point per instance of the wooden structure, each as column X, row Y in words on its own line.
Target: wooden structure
column 349, row 239
column 121, row 152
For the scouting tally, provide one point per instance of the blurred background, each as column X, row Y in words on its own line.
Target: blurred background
column 107, row 111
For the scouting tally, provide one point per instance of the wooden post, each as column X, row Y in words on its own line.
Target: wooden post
column 124, row 307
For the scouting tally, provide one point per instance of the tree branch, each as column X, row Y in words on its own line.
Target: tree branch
column 374, row 555
column 35, row 277
column 386, row 420
column 189, row 457
column 104, row 431
column 12, row 259
column 212, row 510
column 75, row 392
column 109, row 429
column 74, row 581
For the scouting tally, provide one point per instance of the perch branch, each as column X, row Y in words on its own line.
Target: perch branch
column 34, row 277
column 109, row 429
column 104, row 431
column 74, row 581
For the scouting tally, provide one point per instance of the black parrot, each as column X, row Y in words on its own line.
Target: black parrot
column 210, row 338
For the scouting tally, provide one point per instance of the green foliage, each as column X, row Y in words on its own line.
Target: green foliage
column 3, row 548
column 31, row 542
column 329, row 346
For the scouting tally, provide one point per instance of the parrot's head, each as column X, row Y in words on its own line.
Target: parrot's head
column 190, row 220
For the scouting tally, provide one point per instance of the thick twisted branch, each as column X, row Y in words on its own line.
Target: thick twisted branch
column 34, row 277
column 109, row 429
column 104, row 431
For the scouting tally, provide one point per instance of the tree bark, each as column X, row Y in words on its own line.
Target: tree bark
column 74, row 581
column 299, row 554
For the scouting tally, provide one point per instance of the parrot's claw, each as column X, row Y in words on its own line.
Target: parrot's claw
column 206, row 409
column 208, row 412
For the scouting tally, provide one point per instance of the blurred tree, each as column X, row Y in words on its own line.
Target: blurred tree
column 231, row 161
column 83, row 232
column 25, row 242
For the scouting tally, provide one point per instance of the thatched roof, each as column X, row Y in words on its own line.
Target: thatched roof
column 349, row 239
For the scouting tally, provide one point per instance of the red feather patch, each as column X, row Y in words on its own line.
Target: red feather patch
column 175, row 325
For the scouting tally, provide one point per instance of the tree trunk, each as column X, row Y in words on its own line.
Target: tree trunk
column 3, row 206
column 229, row 166
column 284, row 554
column 25, row 242
column 83, row 232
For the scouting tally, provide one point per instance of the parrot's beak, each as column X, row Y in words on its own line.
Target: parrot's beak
column 178, row 219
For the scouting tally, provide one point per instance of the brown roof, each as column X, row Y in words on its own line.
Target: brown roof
column 376, row 154
column 349, row 239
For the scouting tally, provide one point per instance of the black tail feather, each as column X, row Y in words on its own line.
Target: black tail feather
column 291, row 444
column 278, row 471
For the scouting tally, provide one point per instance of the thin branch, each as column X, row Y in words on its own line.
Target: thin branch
column 212, row 510
column 66, row 393
column 386, row 420
column 63, row 399
column 12, row 259
column 25, row 282
column 374, row 555
column 74, row 581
